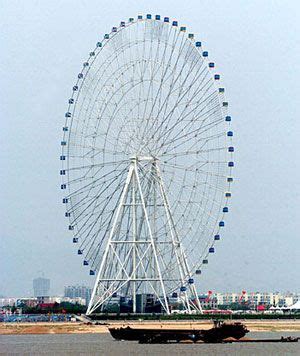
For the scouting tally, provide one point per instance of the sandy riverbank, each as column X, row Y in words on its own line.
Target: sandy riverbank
column 80, row 328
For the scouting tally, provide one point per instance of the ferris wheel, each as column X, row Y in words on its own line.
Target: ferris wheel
column 146, row 163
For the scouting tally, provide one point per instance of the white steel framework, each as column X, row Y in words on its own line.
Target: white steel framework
column 137, row 264
column 146, row 163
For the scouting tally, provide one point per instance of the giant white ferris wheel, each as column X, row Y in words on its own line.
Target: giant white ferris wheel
column 146, row 163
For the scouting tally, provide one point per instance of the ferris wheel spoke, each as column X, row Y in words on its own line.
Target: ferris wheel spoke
column 167, row 157
column 173, row 91
column 195, row 133
column 181, row 94
column 85, row 176
column 94, row 165
column 89, row 241
column 85, row 203
column 199, row 171
column 164, row 68
column 175, row 39
column 99, row 182
column 188, row 213
column 183, row 117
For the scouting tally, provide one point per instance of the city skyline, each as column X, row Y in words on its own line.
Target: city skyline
column 43, row 47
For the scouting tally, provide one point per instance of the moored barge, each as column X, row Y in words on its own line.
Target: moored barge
column 216, row 334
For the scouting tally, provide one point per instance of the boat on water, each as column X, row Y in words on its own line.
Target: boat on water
column 219, row 332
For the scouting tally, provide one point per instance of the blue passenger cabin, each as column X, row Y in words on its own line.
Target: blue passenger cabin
column 230, row 149
column 148, row 16
column 190, row 281
column 225, row 104
column 211, row 250
column 63, row 143
column 71, row 101
column 62, row 172
column 122, row 24
column 205, row 54
column 175, row 23
column 229, row 179
column 198, row 44
column 211, row 65
column 79, row 252
column 227, row 195
column 183, row 28
column 205, row 262
column 114, row 29
column 228, row 118
column 85, row 263
column 63, row 186
column 67, row 215
column 230, row 164
column 221, row 90
column 174, row 295
column 140, row 17
column 71, row 228
column 92, row 272
column 75, row 240
column 217, row 237
column 221, row 223
column 191, row 36
column 65, row 200
column 229, row 133
column 225, row 209
column 62, row 158
column 80, row 75
column 114, row 295
column 182, row 289
column 65, row 128
column 166, row 19
column 157, row 17
column 217, row 76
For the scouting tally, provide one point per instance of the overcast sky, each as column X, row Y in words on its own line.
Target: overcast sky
column 256, row 47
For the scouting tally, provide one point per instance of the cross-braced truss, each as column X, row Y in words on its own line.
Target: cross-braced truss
column 142, row 242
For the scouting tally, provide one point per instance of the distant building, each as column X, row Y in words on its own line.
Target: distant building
column 208, row 302
column 8, row 302
column 76, row 300
column 255, row 299
column 28, row 302
column 74, row 292
column 41, row 287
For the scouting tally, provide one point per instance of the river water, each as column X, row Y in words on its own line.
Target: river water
column 103, row 344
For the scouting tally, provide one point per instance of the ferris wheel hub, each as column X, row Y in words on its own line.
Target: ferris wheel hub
column 138, row 158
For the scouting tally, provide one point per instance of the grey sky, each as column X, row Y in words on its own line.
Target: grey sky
column 256, row 47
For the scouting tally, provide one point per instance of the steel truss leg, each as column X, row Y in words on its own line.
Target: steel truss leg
column 101, row 294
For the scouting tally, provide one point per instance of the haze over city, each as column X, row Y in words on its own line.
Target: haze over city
column 43, row 47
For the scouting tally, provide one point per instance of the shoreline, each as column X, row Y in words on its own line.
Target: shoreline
column 81, row 328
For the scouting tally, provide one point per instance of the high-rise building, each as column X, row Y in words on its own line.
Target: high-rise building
column 41, row 287
column 78, row 292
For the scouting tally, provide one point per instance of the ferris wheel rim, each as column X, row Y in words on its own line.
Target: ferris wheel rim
column 77, row 92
